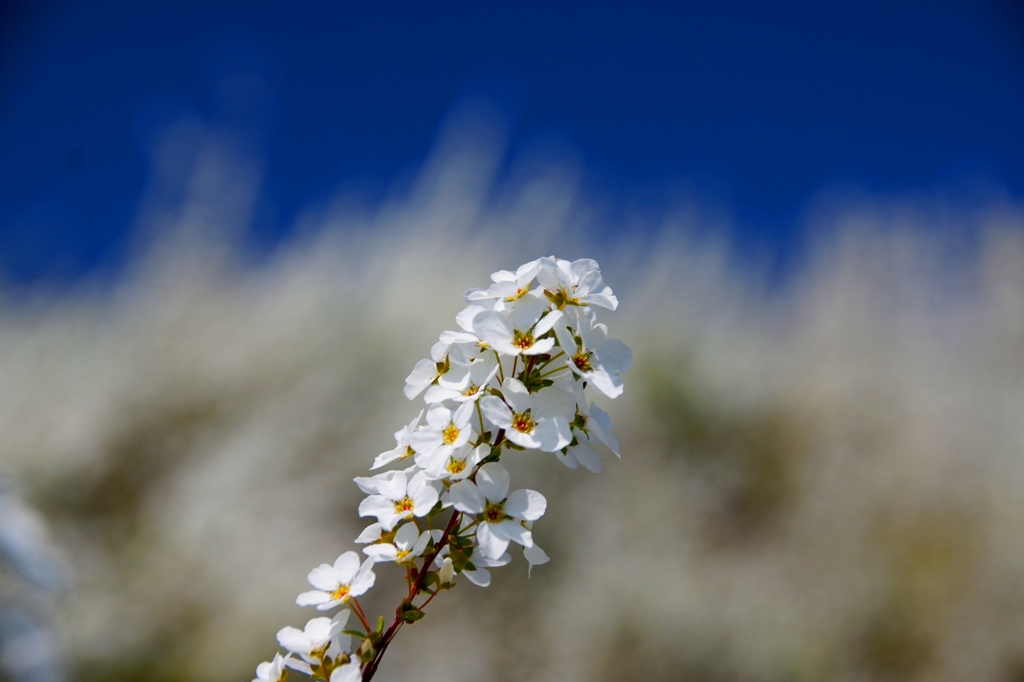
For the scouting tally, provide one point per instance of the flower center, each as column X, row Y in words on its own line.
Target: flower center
column 340, row 593
column 405, row 505
column 582, row 361
column 409, row 452
column 456, row 466
column 522, row 340
column 523, row 422
column 472, row 389
column 494, row 513
column 401, row 555
column 561, row 298
column 450, row 434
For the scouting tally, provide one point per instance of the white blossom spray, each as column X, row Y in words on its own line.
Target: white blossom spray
column 512, row 378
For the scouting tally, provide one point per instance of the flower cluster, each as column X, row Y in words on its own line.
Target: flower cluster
column 513, row 377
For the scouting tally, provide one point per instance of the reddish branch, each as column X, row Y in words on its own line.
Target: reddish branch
column 414, row 590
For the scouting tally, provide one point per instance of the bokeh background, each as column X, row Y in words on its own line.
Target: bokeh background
column 228, row 231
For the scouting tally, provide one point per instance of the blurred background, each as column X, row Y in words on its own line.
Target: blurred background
column 229, row 230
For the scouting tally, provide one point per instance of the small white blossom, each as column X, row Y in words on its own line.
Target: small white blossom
column 338, row 583
column 272, row 671
column 402, row 450
column 577, row 283
column 400, row 498
column 460, row 464
column 595, row 358
column 408, row 545
column 537, row 421
column 320, row 636
column 520, row 333
column 499, row 513
column 444, row 432
column 463, row 384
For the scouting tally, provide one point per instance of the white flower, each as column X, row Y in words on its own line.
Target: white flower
column 402, row 449
column 500, row 516
column 460, row 463
column 426, row 372
column 509, row 287
column 444, row 433
column 594, row 357
column 272, row 671
column 463, row 384
column 520, row 332
column 400, row 498
column 538, row 421
column 408, row 545
column 338, row 583
column 320, row 636
column 576, row 283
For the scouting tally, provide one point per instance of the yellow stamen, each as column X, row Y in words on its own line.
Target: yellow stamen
column 405, row 505
column 456, row 466
column 450, row 434
column 523, row 422
column 494, row 513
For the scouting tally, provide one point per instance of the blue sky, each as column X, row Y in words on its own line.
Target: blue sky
column 753, row 106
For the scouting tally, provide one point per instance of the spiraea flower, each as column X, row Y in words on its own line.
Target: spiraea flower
column 400, row 498
column 272, row 671
column 513, row 377
column 535, row 421
column 500, row 514
column 337, row 584
column 409, row 544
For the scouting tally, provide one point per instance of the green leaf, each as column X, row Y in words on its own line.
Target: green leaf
column 412, row 615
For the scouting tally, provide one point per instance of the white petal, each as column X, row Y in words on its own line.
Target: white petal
column 512, row 530
column 552, row 434
column 480, row 577
column 421, row 376
column 554, row 402
column 406, row 536
column 491, row 544
column 496, row 411
column 587, row 457
column 313, row 597
column 364, row 579
column 376, row 505
column 318, row 631
column 526, row 505
column 535, row 556
column 566, row 459
column 370, row 534
column 381, row 552
column 347, row 673
column 345, row 567
column 323, row 577
column 516, row 395
column 294, row 640
column 492, row 327
column 466, row 497
column 492, row 479
column 547, row 322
